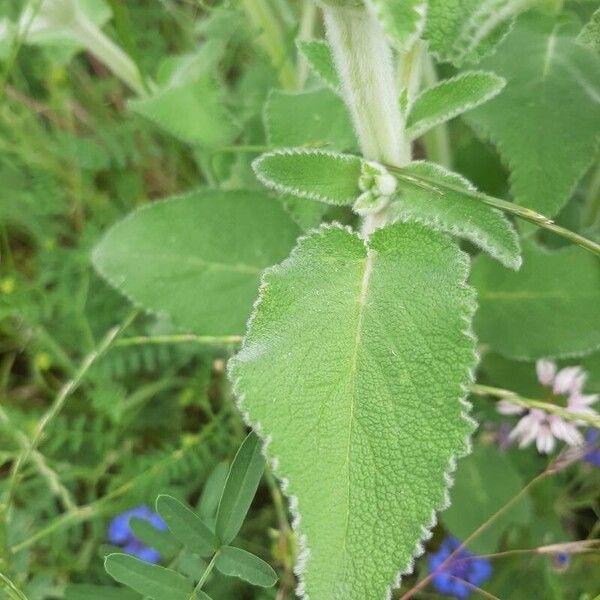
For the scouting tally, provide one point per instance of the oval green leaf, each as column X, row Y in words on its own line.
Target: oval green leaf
column 236, row 562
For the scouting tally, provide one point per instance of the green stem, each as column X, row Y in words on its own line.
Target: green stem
column 11, row 589
column 272, row 39
column 307, row 25
column 363, row 60
column 179, row 339
column 553, row 409
column 207, row 572
column 436, row 186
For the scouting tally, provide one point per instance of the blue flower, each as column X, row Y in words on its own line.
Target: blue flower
column 592, row 439
column 464, row 566
column 120, row 534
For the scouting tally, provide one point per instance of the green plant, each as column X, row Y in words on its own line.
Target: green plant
column 362, row 280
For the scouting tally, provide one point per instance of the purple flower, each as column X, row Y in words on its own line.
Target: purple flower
column 120, row 534
column 592, row 438
column 464, row 567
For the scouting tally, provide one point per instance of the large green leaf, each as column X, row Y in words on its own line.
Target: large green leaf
column 458, row 214
column 193, row 111
column 198, row 257
column 460, row 31
column 546, row 121
column 354, row 368
column 485, row 482
column 450, row 98
column 150, row 580
column 315, row 118
column 549, row 308
column 236, row 562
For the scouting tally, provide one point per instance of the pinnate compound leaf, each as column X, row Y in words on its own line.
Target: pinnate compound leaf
column 460, row 31
column 320, row 58
column 354, row 368
column 150, row 580
column 450, row 98
column 243, row 479
column 197, row 258
column 402, row 20
column 193, row 111
column 236, row 562
column 314, row 118
column 546, row 121
column 485, row 481
column 186, row 526
column 458, row 214
column 313, row 174
column 550, row 308
column 590, row 34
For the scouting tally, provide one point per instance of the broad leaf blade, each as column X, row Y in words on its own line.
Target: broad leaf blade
column 243, row 479
column 186, row 526
column 150, row 580
column 236, row 562
column 459, row 214
column 547, row 309
column 319, row 56
column 197, row 258
column 160, row 540
column 356, row 379
column 314, row 118
column 450, row 98
column 193, row 111
column 313, row 174
column 460, row 31
column 402, row 20
column 546, row 122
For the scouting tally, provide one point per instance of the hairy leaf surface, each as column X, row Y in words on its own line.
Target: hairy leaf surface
column 197, row 258
column 590, row 34
column 459, row 214
column 550, row 308
column 460, row 31
column 546, row 122
column 450, row 98
column 319, row 56
column 402, row 20
column 354, row 368
column 313, row 174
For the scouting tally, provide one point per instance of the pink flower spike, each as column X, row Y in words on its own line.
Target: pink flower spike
column 546, row 371
column 545, row 440
column 569, row 380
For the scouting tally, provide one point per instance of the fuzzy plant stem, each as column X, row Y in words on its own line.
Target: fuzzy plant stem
column 363, row 59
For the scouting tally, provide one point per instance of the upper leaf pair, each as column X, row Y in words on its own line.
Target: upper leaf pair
column 334, row 178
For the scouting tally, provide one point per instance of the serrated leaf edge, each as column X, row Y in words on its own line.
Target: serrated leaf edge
column 329, row 84
column 376, row 8
column 424, row 125
column 273, row 185
column 470, row 307
column 464, row 232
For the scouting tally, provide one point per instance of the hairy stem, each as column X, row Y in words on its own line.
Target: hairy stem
column 553, row 409
column 364, row 63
